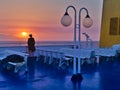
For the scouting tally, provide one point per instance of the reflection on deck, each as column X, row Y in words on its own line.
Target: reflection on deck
column 44, row 76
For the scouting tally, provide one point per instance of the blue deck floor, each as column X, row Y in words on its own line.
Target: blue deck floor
column 41, row 76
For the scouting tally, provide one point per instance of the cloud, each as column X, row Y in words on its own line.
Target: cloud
column 5, row 37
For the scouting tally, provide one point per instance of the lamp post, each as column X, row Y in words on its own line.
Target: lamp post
column 66, row 20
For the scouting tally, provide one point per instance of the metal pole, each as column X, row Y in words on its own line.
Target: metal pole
column 79, row 38
column 74, row 62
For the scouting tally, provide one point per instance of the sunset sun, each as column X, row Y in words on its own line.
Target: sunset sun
column 24, row 34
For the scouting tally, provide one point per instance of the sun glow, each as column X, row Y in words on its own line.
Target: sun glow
column 24, row 34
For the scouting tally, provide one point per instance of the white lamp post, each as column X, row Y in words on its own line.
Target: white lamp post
column 87, row 22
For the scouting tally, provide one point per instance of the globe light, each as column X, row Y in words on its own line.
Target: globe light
column 66, row 20
column 87, row 22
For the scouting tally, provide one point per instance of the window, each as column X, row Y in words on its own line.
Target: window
column 114, row 26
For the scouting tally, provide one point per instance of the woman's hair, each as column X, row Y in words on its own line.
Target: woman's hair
column 30, row 35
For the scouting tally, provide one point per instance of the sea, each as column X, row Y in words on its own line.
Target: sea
column 22, row 45
column 48, row 43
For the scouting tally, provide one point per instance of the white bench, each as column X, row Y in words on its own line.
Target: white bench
column 117, row 48
column 64, row 55
column 105, row 52
column 84, row 54
column 51, row 54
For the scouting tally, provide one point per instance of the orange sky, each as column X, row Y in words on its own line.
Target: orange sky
column 42, row 19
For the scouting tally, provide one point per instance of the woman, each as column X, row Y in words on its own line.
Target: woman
column 31, row 45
